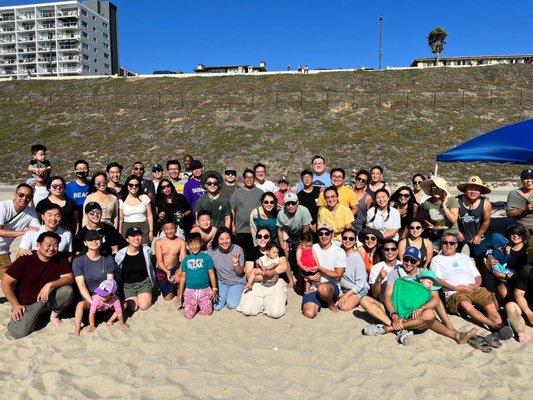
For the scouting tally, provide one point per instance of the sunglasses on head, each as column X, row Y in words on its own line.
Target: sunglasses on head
column 448, row 243
column 350, row 238
column 371, row 238
column 259, row 236
column 324, row 233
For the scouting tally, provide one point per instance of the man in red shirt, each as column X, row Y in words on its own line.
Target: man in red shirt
column 37, row 283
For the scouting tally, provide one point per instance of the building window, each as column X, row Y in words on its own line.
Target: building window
column 84, row 24
column 86, row 57
column 106, row 55
column 95, row 60
column 85, row 46
column 104, row 24
column 105, row 35
column 84, row 34
column 95, row 39
column 106, row 46
column 83, row 12
column 95, row 50
column 86, row 68
column 95, row 71
column 94, row 18
column 106, row 66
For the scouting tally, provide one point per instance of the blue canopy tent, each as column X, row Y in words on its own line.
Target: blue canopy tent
column 511, row 144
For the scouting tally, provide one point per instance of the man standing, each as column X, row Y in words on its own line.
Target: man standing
column 193, row 190
column 114, row 170
column 213, row 202
column 461, row 283
column 332, row 263
column 147, row 186
column 16, row 218
column 51, row 217
column 282, row 190
column 260, row 181
column 78, row 189
column 40, row 192
column 230, row 184
column 242, row 202
column 174, row 175
column 157, row 175
column 321, row 177
column 308, row 196
column 187, row 173
column 38, row 283
column 520, row 206
column 346, row 195
column 292, row 221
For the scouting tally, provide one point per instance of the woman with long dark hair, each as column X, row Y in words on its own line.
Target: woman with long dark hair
column 170, row 204
column 265, row 216
column 403, row 199
column 101, row 194
column 383, row 217
column 135, row 209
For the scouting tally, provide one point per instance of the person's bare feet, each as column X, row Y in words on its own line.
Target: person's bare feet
column 463, row 337
column 54, row 319
column 110, row 323
column 77, row 331
column 124, row 327
column 333, row 307
column 524, row 338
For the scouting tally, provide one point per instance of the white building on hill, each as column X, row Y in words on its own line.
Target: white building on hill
column 62, row 38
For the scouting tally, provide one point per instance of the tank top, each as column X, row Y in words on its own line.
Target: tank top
column 423, row 250
column 470, row 220
column 369, row 263
column 307, row 258
column 267, row 223
column 360, row 218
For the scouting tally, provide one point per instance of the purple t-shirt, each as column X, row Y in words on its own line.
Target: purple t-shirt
column 193, row 191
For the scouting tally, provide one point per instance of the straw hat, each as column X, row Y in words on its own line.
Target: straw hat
column 439, row 182
column 475, row 181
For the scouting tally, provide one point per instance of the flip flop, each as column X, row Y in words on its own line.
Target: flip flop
column 493, row 340
column 505, row 332
column 479, row 343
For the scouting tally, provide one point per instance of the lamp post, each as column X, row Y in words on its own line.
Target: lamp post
column 380, row 53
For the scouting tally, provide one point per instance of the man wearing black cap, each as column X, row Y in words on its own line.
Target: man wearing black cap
column 147, row 186
column 193, row 189
column 213, row 202
column 157, row 174
column 520, row 206
column 230, row 185
column 111, row 239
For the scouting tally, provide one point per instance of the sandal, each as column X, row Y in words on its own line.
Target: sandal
column 479, row 343
column 493, row 340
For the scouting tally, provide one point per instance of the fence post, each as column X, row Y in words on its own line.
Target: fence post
column 491, row 97
column 379, row 100
column 521, row 96
column 49, row 100
column 253, row 101
column 301, row 99
column 353, row 100
column 276, row 98
column 29, row 99
column 407, row 100
column 327, row 98
column 159, row 99
column 434, row 99
column 463, row 99
column 181, row 96
column 10, row 101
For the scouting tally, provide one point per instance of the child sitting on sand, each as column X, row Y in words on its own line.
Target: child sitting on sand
column 198, row 287
column 269, row 261
column 307, row 260
column 205, row 228
column 103, row 299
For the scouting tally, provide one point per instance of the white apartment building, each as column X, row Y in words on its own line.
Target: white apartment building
column 62, row 38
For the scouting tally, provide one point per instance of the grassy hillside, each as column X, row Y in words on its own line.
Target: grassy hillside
column 400, row 119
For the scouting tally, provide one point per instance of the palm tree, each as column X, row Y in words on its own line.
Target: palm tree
column 436, row 40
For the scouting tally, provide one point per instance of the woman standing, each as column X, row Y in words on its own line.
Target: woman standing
column 354, row 280
column 376, row 174
column 370, row 250
column 414, row 238
column 337, row 215
column 405, row 202
column 265, row 216
column 420, row 196
column 69, row 211
column 169, row 203
column 135, row 210
column 383, row 217
column 229, row 267
column 101, row 194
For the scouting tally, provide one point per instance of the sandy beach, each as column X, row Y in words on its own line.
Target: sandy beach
column 228, row 356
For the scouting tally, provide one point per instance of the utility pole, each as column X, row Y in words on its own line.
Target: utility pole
column 380, row 53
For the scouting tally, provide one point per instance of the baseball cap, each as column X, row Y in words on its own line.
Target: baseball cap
column 107, row 287
column 412, row 252
column 92, row 205
column 324, row 226
column 91, row 234
column 283, row 180
column 526, row 173
column 230, row 169
column 290, row 197
column 157, row 168
column 132, row 231
column 195, row 164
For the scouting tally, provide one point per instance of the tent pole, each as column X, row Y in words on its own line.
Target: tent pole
column 436, row 169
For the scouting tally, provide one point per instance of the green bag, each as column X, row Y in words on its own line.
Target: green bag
column 408, row 295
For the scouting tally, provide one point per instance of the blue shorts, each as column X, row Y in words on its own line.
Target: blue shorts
column 165, row 286
column 312, row 297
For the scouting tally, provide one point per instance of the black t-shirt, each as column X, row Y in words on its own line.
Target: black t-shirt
column 67, row 212
column 110, row 237
column 180, row 204
column 148, row 187
column 518, row 259
column 134, row 268
column 525, row 282
column 255, row 254
column 309, row 200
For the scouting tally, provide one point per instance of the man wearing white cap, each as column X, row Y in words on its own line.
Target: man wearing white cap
column 292, row 221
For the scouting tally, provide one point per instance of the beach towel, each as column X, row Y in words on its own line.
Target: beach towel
column 408, row 295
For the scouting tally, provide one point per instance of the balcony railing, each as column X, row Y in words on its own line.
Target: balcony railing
column 7, row 29
column 67, row 25
column 26, row 16
column 69, row 47
column 50, row 14
column 26, row 49
column 70, row 70
column 8, row 51
column 69, row 58
column 67, row 14
column 8, row 61
column 7, row 40
column 72, row 36
column 26, row 38
column 27, row 28
column 27, row 60
column 7, row 17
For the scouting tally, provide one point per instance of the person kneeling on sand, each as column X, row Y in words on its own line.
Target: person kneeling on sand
column 421, row 315
column 520, row 311
column 37, row 283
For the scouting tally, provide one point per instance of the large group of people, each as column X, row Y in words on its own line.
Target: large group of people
column 410, row 257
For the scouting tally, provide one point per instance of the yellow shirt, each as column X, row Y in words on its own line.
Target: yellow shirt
column 347, row 197
column 343, row 216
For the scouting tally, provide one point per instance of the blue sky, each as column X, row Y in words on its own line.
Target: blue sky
column 177, row 35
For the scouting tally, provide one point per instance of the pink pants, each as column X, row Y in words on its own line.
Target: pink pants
column 194, row 298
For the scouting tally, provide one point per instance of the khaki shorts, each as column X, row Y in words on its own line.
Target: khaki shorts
column 480, row 298
column 5, row 262
column 135, row 289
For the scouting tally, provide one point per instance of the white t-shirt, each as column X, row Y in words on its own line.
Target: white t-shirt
column 29, row 240
column 135, row 213
column 39, row 193
column 393, row 222
column 374, row 273
column 266, row 186
column 331, row 258
column 13, row 222
column 458, row 269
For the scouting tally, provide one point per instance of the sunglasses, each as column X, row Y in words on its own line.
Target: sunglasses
column 211, row 184
column 269, row 202
column 133, row 185
column 371, row 238
column 165, row 186
column 405, row 195
column 230, row 173
column 361, row 180
column 138, row 169
column 409, row 260
column 100, row 183
column 350, row 238
column 95, row 212
column 262, row 236
column 324, row 233
column 57, row 187
column 415, row 228
column 290, row 203
column 447, row 243
column 24, row 196
column 417, row 182
column 390, row 249
column 517, row 233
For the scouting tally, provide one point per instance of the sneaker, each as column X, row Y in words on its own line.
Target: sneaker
column 404, row 337
column 374, row 330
